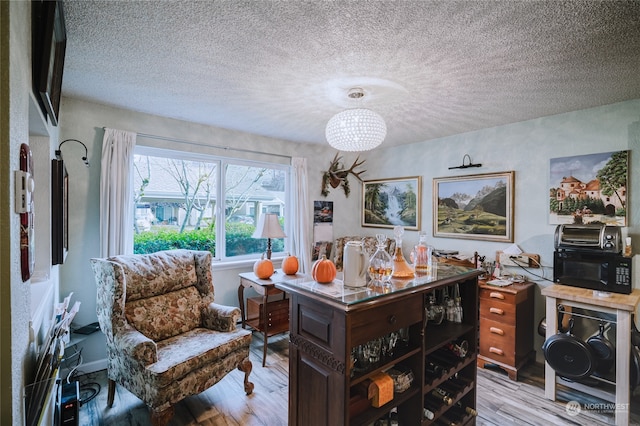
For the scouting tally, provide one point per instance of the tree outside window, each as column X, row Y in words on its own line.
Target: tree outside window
column 179, row 203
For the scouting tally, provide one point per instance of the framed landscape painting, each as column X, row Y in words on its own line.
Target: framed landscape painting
column 589, row 189
column 477, row 207
column 390, row 202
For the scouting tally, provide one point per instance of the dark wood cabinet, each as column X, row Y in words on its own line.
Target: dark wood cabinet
column 506, row 326
column 329, row 324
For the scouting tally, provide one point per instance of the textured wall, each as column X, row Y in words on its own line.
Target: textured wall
column 525, row 147
column 14, row 297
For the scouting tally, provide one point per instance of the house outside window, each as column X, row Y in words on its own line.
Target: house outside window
column 193, row 201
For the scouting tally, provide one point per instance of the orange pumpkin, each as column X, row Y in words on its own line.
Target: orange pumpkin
column 263, row 268
column 290, row 265
column 323, row 271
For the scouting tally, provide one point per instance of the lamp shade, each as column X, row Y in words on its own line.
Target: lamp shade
column 269, row 227
column 357, row 129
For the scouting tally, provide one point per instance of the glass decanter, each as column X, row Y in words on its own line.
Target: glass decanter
column 381, row 263
column 401, row 269
column 421, row 256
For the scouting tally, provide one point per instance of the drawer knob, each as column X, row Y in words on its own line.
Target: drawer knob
column 496, row 295
column 496, row 351
column 496, row 311
column 496, row 330
column 392, row 319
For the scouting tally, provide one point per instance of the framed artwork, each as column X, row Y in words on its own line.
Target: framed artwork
column 475, row 207
column 59, row 212
column 321, row 248
column 390, row 202
column 589, row 189
column 50, row 41
column 322, row 211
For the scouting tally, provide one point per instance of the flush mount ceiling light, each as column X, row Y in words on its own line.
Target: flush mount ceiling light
column 356, row 129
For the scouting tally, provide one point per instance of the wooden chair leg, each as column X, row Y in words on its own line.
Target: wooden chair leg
column 246, row 367
column 111, row 393
column 161, row 417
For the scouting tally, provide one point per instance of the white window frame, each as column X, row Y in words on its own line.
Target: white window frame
column 221, row 163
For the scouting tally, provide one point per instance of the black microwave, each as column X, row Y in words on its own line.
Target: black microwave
column 594, row 270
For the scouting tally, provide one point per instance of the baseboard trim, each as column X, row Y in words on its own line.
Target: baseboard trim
column 92, row 367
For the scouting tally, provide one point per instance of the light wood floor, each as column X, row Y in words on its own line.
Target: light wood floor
column 501, row 402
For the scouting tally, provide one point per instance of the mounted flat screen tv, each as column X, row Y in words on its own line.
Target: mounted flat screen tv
column 59, row 212
column 49, row 39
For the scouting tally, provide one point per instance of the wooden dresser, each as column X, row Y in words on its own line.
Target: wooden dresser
column 506, row 326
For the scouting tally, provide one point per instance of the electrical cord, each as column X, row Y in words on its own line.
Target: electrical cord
column 519, row 264
column 88, row 389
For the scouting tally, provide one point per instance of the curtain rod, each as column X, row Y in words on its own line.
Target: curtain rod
column 226, row 148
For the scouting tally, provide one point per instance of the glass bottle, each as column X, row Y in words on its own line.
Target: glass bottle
column 401, row 268
column 457, row 304
column 421, row 256
column 381, row 263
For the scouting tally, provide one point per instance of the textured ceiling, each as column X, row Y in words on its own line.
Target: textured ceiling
column 283, row 68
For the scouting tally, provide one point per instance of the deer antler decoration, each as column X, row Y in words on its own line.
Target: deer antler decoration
column 337, row 175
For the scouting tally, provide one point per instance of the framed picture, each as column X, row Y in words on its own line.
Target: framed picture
column 475, row 207
column 50, row 41
column 589, row 189
column 390, row 202
column 59, row 212
column 321, row 248
column 323, row 211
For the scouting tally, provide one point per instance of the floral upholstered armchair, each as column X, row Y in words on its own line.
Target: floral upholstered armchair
column 369, row 244
column 166, row 338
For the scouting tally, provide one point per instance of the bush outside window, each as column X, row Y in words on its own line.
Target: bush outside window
column 191, row 201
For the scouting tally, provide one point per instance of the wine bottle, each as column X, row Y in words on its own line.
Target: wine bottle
column 444, row 359
column 442, row 396
column 467, row 409
column 432, row 405
column 450, row 388
column 433, row 369
column 428, row 414
column 443, row 420
column 461, row 382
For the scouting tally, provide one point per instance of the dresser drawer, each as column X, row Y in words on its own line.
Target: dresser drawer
column 500, row 296
column 498, row 311
column 497, row 341
column 367, row 325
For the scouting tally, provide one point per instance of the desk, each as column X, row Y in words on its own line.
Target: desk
column 623, row 306
column 264, row 288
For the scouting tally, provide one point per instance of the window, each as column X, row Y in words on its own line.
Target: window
column 187, row 200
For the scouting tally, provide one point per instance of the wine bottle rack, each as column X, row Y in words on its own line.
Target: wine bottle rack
column 326, row 383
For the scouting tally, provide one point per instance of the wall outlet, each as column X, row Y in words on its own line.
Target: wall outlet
column 526, row 260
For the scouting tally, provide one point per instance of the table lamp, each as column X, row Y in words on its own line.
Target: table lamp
column 268, row 227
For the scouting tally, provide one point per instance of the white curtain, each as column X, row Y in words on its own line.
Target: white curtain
column 301, row 241
column 116, row 198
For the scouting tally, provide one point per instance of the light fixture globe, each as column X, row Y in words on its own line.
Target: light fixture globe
column 357, row 129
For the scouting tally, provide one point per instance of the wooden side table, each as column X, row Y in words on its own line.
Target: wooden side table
column 262, row 324
column 623, row 306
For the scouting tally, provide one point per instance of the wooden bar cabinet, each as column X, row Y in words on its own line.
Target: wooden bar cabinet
column 328, row 323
